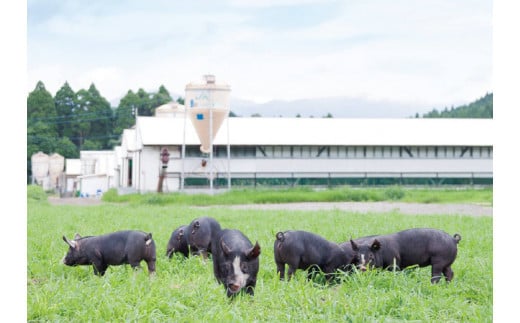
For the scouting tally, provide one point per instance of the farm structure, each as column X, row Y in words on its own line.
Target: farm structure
column 307, row 151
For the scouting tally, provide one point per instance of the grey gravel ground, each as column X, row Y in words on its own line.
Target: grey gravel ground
column 364, row 207
column 360, row 207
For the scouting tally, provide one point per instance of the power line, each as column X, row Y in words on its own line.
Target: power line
column 73, row 119
column 75, row 137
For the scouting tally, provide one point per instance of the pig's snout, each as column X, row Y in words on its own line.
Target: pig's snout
column 363, row 263
column 233, row 288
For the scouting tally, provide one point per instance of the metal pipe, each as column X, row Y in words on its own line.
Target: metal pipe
column 228, row 155
column 211, row 150
column 183, row 150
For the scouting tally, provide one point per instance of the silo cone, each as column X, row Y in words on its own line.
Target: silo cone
column 200, row 118
column 207, row 105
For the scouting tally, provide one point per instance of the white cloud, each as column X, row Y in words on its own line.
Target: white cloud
column 426, row 51
column 275, row 3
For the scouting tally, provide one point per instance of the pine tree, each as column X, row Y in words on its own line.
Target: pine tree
column 65, row 104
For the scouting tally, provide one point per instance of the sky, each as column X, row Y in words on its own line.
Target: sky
column 429, row 52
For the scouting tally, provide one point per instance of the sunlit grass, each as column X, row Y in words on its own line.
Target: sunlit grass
column 307, row 194
column 185, row 289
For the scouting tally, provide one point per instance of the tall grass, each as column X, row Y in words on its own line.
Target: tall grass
column 184, row 290
column 305, row 194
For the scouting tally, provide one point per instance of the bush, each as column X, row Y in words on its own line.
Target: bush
column 394, row 193
column 110, row 195
column 36, row 193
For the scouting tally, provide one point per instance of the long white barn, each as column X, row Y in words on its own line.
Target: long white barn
column 320, row 151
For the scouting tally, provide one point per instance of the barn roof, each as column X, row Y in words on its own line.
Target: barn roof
column 323, row 131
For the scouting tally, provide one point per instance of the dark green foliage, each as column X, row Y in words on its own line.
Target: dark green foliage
column 36, row 193
column 41, row 123
column 482, row 108
column 125, row 112
column 65, row 147
column 41, row 109
column 65, row 101
column 394, row 193
column 91, row 145
column 102, row 128
column 160, row 98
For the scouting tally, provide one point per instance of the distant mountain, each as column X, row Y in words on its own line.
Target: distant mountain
column 481, row 108
column 337, row 107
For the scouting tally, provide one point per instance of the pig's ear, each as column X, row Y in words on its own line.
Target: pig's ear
column 77, row 236
column 375, row 245
column 148, row 239
column 194, row 227
column 72, row 243
column 354, row 245
column 254, row 252
column 225, row 247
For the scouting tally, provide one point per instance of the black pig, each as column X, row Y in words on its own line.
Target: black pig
column 117, row 248
column 178, row 242
column 201, row 232
column 235, row 262
column 305, row 250
column 419, row 246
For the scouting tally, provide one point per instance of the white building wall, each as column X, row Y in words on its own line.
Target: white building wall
column 359, row 155
column 150, row 167
column 92, row 185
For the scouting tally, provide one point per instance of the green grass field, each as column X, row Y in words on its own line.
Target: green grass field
column 308, row 194
column 184, row 290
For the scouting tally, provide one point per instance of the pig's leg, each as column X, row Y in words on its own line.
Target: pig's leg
column 204, row 254
column 135, row 264
column 448, row 273
column 280, row 270
column 290, row 272
column 250, row 288
column 100, row 268
column 436, row 273
column 151, row 266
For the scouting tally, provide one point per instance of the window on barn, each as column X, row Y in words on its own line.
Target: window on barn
column 456, row 151
column 193, row 151
column 323, row 152
column 242, row 152
column 369, row 152
column 342, row 152
column 286, row 151
column 444, row 152
column 306, row 152
column 351, row 152
column 277, row 151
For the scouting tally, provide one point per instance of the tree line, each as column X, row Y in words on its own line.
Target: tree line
column 481, row 109
column 71, row 121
